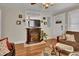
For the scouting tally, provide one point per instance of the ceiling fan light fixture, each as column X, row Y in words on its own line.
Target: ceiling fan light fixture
column 46, row 5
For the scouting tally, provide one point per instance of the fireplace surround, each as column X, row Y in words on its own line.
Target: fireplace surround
column 33, row 35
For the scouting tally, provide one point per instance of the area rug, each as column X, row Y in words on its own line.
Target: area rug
column 48, row 52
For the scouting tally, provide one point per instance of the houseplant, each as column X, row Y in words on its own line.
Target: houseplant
column 43, row 35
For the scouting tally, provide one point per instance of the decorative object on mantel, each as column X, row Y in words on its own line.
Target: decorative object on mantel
column 18, row 22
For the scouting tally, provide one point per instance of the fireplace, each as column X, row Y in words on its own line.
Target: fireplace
column 33, row 35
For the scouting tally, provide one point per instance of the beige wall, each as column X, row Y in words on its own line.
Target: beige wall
column 0, row 23
column 17, row 33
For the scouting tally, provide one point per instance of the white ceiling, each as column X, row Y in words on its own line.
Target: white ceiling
column 56, row 8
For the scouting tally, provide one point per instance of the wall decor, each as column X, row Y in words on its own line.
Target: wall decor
column 45, row 23
column 18, row 22
column 20, row 16
column 41, row 21
column 34, row 23
column 44, row 18
column 24, row 20
column 58, row 22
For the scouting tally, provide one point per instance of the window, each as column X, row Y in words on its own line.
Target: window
column 73, row 20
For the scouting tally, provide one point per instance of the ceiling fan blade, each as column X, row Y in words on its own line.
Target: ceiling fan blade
column 33, row 3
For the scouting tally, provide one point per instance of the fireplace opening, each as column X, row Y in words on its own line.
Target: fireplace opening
column 33, row 35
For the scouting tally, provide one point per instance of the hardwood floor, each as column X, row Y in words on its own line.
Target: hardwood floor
column 37, row 50
column 20, row 49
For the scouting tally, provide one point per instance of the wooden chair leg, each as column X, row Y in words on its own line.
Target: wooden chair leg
column 59, row 53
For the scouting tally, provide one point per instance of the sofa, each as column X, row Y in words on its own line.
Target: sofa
column 10, row 47
column 74, row 45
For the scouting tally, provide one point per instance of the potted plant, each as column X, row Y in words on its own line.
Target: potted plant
column 43, row 35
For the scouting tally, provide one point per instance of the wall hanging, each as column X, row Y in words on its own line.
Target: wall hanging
column 18, row 22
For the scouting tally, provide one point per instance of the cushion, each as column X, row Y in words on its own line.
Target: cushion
column 70, row 37
column 74, row 54
column 65, row 47
column 62, row 36
column 3, row 47
column 8, row 43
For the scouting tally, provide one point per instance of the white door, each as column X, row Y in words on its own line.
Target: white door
column 0, row 23
column 59, row 28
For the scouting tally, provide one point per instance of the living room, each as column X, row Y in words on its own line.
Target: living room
column 55, row 20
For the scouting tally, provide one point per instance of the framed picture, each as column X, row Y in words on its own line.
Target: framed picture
column 58, row 22
column 18, row 22
column 20, row 16
column 34, row 23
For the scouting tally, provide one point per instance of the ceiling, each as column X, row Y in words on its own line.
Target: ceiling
column 56, row 8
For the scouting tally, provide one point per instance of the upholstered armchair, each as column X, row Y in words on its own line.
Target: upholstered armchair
column 68, row 47
column 6, row 48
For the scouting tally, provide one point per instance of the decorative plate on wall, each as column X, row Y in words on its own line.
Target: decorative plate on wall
column 18, row 22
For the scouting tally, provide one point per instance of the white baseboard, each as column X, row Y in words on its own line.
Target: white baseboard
column 19, row 42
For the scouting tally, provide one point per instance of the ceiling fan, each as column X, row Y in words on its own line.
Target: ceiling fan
column 45, row 5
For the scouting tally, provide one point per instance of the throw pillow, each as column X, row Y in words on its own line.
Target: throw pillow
column 70, row 37
column 3, row 47
column 7, row 41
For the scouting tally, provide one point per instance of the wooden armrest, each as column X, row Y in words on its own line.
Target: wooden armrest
column 12, row 46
